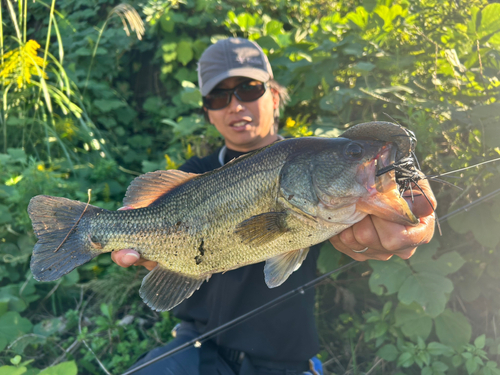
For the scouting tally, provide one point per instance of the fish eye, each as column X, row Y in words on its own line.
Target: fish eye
column 354, row 151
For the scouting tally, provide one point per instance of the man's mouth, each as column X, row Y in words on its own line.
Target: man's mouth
column 240, row 124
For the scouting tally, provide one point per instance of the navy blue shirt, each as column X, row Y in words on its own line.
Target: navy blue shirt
column 286, row 332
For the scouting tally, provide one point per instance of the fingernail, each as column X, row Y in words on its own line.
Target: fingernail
column 130, row 258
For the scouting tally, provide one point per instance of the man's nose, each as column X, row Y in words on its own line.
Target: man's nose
column 235, row 105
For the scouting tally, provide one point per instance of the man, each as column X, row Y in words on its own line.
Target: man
column 241, row 100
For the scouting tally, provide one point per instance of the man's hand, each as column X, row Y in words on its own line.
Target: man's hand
column 385, row 238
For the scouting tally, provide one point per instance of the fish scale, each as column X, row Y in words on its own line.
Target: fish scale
column 271, row 205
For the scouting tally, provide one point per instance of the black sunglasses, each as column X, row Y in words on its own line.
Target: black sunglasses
column 247, row 91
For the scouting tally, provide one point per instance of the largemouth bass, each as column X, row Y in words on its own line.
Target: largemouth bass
column 270, row 205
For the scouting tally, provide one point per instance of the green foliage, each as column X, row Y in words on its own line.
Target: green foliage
column 101, row 107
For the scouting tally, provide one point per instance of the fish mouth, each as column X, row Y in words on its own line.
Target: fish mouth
column 383, row 199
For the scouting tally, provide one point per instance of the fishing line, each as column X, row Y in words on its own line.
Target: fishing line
column 463, row 169
column 470, row 205
column 197, row 341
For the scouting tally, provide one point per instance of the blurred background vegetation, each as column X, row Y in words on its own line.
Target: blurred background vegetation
column 90, row 100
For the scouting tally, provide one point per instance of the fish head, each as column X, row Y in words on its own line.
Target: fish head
column 347, row 174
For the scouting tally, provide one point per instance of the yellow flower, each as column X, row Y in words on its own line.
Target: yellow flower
column 170, row 163
column 189, row 151
column 289, row 122
column 21, row 63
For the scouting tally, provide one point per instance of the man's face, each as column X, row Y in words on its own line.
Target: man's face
column 245, row 126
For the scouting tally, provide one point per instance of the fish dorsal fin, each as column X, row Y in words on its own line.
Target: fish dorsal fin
column 163, row 289
column 278, row 268
column 261, row 229
column 147, row 188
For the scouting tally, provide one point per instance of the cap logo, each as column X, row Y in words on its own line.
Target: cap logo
column 249, row 60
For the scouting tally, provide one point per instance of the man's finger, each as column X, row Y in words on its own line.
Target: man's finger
column 125, row 258
column 404, row 237
column 128, row 257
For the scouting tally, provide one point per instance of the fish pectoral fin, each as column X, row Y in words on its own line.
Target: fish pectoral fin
column 279, row 268
column 149, row 187
column 163, row 289
column 261, row 229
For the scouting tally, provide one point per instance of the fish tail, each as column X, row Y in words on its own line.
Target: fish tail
column 63, row 236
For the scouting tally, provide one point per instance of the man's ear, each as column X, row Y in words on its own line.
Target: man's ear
column 276, row 99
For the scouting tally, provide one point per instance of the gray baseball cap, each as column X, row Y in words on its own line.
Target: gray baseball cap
column 232, row 57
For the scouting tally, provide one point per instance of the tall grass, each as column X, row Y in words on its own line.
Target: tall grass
column 37, row 94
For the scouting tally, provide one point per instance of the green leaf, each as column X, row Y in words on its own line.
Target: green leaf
column 17, row 154
column 424, row 357
column 191, row 96
column 439, row 366
column 48, row 327
column 246, row 21
column 456, row 360
column 268, row 42
column 12, row 326
column 64, row 368
column 388, row 276
column 359, row 18
column 169, row 52
column 70, row 278
column 388, row 352
column 184, row 52
column 12, row 370
column 167, row 23
column 472, row 24
column 423, row 260
column 413, row 321
column 471, row 365
column 453, row 329
column 22, row 342
column 420, row 343
column 363, row 67
column 436, row 348
column 16, row 360
column 274, row 27
column 405, row 359
column 328, row 259
column 430, row 290
column 480, row 341
column 5, row 216
column 107, row 105
column 480, row 221
column 490, row 22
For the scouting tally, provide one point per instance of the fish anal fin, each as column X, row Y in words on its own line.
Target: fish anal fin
column 148, row 187
column 261, row 229
column 163, row 289
column 279, row 268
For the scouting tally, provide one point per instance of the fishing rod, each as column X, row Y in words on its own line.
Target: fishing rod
column 197, row 341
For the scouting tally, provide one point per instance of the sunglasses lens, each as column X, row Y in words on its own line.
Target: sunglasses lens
column 248, row 92
column 216, row 100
